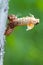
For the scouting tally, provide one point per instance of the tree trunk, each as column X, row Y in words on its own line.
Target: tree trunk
column 3, row 19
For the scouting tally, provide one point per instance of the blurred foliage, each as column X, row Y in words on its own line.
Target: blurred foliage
column 22, row 47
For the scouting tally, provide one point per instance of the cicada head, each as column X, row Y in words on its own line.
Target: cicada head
column 34, row 20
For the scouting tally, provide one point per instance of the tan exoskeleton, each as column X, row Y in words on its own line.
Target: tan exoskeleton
column 29, row 21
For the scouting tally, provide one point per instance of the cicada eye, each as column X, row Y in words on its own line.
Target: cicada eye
column 37, row 22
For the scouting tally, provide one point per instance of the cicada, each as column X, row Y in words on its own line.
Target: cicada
column 29, row 21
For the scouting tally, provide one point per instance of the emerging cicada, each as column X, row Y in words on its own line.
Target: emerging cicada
column 14, row 21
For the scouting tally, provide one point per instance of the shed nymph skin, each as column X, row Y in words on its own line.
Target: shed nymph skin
column 29, row 21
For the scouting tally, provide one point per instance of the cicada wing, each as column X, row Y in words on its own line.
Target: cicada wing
column 29, row 27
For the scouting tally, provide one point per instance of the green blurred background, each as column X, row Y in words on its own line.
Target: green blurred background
column 25, row 47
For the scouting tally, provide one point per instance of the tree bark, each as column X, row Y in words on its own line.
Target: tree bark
column 3, row 19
